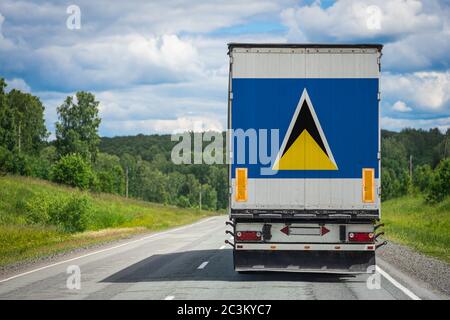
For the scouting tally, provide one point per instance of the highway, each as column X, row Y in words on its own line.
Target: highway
column 190, row 262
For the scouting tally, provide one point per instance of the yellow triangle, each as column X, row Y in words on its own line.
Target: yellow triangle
column 304, row 154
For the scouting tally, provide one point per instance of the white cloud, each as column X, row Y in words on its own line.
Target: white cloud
column 418, row 52
column 158, row 17
column 351, row 19
column 17, row 83
column 396, row 124
column 416, row 33
column 5, row 43
column 428, row 91
column 178, row 125
column 119, row 61
column 400, row 106
column 155, row 107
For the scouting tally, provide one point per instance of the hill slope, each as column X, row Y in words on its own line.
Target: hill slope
column 423, row 227
column 39, row 218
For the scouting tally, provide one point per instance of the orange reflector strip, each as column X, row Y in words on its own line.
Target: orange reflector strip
column 337, row 247
column 241, row 185
column 368, row 175
column 273, row 247
column 307, row 247
column 369, row 247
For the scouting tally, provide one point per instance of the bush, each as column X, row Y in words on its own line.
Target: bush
column 14, row 162
column 422, row 177
column 109, row 173
column 394, row 185
column 38, row 210
column 70, row 213
column 40, row 168
column 440, row 185
column 183, row 202
column 72, row 170
column 209, row 197
column 6, row 160
column 42, row 164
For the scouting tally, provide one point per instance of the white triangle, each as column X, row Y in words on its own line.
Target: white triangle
column 304, row 97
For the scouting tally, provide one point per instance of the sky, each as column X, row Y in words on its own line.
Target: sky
column 162, row 66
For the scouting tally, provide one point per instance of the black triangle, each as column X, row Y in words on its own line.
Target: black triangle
column 305, row 121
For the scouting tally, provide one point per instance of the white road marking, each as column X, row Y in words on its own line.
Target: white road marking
column 231, row 238
column 397, row 284
column 103, row 250
column 203, row 265
column 222, row 247
column 169, row 298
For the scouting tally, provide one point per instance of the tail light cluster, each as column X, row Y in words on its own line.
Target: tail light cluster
column 360, row 236
column 249, row 236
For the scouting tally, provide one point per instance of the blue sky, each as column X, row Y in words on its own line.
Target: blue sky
column 161, row 66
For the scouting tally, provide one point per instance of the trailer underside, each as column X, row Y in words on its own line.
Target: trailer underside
column 305, row 261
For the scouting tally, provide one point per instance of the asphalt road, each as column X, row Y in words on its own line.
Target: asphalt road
column 191, row 262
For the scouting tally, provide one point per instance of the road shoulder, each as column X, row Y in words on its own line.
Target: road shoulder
column 428, row 277
column 45, row 261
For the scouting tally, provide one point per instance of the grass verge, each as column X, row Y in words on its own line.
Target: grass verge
column 110, row 217
column 412, row 222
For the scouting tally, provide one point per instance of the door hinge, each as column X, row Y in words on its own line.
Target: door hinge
column 379, row 96
column 231, row 95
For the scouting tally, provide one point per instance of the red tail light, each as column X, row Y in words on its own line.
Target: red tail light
column 360, row 236
column 248, row 235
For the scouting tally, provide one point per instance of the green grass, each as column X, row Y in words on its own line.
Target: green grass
column 412, row 222
column 110, row 217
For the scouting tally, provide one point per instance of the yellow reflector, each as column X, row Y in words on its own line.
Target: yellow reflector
column 368, row 185
column 241, row 184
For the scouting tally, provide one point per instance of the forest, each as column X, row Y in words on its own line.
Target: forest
column 413, row 160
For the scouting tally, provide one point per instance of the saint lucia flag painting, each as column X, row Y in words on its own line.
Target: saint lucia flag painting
column 326, row 126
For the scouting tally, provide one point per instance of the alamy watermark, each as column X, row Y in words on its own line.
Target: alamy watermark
column 373, row 21
column 73, row 21
column 73, row 282
column 374, row 280
column 262, row 145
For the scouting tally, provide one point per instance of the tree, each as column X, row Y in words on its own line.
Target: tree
column 153, row 184
column 73, row 170
column 422, row 177
column 7, row 127
column 209, row 197
column 41, row 164
column 28, row 120
column 442, row 150
column 77, row 128
column 440, row 186
column 218, row 179
column 175, row 181
column 14, row 162
column 110, row 174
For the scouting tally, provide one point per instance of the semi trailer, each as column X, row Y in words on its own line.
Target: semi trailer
column 304, row 169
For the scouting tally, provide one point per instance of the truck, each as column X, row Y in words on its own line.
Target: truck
column 304, row 157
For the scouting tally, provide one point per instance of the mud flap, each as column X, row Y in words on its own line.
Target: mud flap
column 305, row 261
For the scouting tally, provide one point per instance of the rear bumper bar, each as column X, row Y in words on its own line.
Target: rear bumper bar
column 316, row 214
column 305, row 261
column 305, row 246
